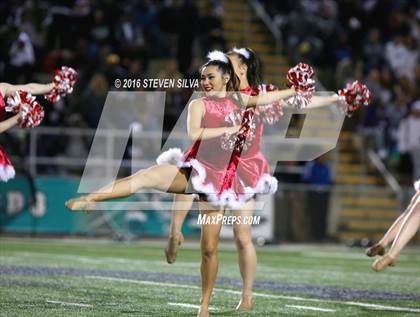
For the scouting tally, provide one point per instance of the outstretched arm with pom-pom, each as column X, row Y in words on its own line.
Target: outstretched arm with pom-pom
column 33, row 88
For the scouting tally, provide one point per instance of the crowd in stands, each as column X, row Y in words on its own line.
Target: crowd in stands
column 103, row 40
column 375, row 41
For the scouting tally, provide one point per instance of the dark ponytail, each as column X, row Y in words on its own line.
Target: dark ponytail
column 253, row 74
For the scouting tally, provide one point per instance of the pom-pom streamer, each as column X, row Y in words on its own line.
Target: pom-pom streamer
column 64, row 81
column 354, row 96
column 300, row 78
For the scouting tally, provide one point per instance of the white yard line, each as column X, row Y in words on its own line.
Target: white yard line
column 142, row 282
column 98, row 260
column 189, row 305
column 384, row 307
column 312, row 308
column 295, row 298
column 68, row 304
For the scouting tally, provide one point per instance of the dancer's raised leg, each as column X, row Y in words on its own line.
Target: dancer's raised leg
column 166, row 178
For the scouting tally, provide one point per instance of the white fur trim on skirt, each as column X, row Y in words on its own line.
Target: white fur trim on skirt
column 265, row 185
column 417, row 185
column 6, row 172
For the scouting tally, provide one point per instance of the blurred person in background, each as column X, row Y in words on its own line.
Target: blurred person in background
column 409, row 137
column 93, row 100
column 21, row 59
column 211, row 30
column 318, row 174
column 187, row 27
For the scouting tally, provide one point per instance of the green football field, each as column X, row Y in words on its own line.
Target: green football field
column 69, row 277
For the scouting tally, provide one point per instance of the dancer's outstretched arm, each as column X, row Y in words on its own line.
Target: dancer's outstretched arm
column 33, row 88
column 8, row 123
column 268, row 97
column 278, row 95
column 320, row 101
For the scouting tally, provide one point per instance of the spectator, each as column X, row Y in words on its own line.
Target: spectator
column 93, row 100
column 212, row 31
column 21, row 59
column 409, row 137
column 187, row 25
column 317, row 173
column 401, row 59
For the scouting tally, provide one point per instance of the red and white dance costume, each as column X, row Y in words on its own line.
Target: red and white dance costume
column 231, row 169
column 7, row 170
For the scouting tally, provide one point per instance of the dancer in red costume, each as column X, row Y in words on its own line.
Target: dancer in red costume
column 219, row 180
column 247, row 68
column 401, row 232
column 6, row 168
column 28, row 112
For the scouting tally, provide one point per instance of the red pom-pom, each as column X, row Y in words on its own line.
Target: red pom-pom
column 355, row 95
column 31, row 112
column 19, row 98
column 269, row 114
column 31, row 115
column 64, row 81
column 300, row 77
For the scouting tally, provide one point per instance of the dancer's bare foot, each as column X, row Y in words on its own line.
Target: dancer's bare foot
column 246, row 303
column 82, row 203
column 174, row 242
column 383, row 262
column 376, row 249
column 203, row 312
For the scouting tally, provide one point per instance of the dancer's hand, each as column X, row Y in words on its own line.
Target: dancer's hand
column 81, row 203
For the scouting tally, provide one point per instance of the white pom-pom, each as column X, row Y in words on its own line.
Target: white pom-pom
column 217, row 56
column 417, row 185
column 267, row 184
column 242, row 51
